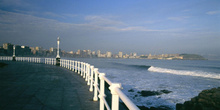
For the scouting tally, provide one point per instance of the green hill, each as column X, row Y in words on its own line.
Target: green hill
column 192, row 57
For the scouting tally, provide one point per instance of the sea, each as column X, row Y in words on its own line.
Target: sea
column 183, row 79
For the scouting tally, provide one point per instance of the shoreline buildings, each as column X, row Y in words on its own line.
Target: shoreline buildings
column 7, row 50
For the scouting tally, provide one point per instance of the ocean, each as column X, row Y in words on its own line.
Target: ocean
column 172, row 81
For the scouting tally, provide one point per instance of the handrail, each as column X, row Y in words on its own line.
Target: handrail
column 91, row 75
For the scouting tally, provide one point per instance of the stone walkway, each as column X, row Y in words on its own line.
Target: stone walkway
column 32, row 86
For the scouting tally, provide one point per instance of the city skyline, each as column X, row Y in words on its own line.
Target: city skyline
column 17, row 50
column 130, row 26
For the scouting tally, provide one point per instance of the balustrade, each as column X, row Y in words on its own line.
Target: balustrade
column 91, row 75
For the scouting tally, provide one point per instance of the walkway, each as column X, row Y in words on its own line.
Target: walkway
column 32, row 86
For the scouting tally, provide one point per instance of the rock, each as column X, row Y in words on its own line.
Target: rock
column 152, row 93
column 154, row 108
column 143, row 108
column 165, row 91
column 131, row 90
column 206, row 100
column 3, row 64
column 149, row 93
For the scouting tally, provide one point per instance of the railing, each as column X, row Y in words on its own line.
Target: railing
column 91, row 75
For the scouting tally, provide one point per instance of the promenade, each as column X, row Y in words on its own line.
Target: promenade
column 35, row 86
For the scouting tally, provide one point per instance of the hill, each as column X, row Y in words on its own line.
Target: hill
column 192, row 57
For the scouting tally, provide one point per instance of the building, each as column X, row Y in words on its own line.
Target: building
column 9, row 48
column 120, row 54
column 108, row 54
column 98, row 53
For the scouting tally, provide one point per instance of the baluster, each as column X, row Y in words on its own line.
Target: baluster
column 78, row 67
column 95, row 98
column 91, row 79
column 70, row 65
column 84, row 71
column 115, row 97
column 102, row 91
column 81, row 68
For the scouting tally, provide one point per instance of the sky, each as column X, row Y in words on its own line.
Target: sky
column 142, row 26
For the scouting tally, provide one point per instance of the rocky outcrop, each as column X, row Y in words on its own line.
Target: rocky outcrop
column 3, row 64
column 152, row 93
column 206, row 100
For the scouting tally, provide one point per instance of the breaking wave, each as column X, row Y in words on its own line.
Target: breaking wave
column 185, row 72
column 132, row 66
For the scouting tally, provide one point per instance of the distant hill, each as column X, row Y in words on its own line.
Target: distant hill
column 192, row 57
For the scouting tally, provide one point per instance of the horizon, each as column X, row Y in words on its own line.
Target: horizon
column 143, row 26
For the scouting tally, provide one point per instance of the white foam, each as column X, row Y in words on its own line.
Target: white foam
column 185, row 72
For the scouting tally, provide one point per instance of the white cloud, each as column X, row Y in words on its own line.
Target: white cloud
column 11, row 22
column 213, row 12
column 181, row 18
column 103, row 21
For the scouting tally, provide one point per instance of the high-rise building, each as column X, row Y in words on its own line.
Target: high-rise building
column 98, row 53
column 120, row 54
column 108, row 54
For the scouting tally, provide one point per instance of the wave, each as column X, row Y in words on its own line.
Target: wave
column 132, row 66
column 185, row 72
column 140, row 66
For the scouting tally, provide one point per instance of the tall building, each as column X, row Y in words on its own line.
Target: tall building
column 108, row 54
column 120, row 54
column 98, row 53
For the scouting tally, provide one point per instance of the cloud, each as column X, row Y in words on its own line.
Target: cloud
column 213, row 12
column 181, row 18
column 15, row 3
column 103, row 21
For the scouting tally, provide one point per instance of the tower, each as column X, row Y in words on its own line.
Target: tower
column 13, row 58
column 58, row 52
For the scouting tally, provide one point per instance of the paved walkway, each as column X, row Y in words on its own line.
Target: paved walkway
column 32, row 86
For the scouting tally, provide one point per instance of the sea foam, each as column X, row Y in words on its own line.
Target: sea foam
column 185, row 72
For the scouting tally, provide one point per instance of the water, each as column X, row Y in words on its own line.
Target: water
column 185, row 78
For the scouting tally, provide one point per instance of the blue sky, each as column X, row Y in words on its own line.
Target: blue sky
column 142, row 26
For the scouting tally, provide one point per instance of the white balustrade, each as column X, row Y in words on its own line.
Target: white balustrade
column 91, row 75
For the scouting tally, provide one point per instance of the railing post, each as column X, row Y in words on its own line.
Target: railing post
column 91, row 79
column 115, row 97
column 88, row 75
column 84, row 70
column 72, row 65
column 102, row 91
column 95, row 98
column 79, row 67
column 68, row 64
column 76, row 66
